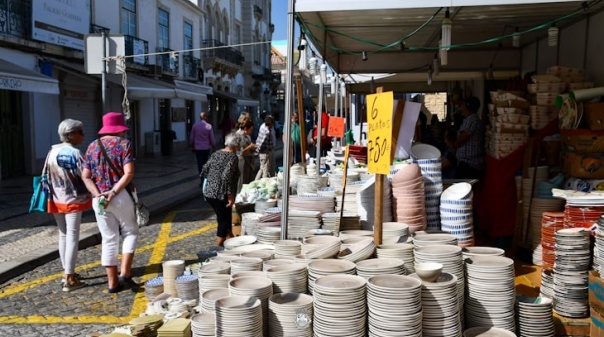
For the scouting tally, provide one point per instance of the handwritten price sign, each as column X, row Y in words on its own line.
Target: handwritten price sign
column 379, row 113
column 336, row 127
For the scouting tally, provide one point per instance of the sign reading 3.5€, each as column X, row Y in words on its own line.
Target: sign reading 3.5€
column 379, row 117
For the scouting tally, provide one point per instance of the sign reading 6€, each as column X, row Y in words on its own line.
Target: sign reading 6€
column 379, row 117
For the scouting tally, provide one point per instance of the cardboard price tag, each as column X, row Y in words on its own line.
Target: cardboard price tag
column 336, row 127
column 379, row 117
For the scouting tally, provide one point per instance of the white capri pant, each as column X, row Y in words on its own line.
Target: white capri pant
column 119, row 218
column 69, row 239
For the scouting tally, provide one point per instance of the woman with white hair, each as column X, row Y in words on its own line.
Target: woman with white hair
column 68, row 196
column 222, row 173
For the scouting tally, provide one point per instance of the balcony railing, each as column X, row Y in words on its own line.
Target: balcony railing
column 190, row 66
column 15, row 18
column 136, row 46
column 257, row 11
column 167, row 64
column 220, row 51
column 96, row 29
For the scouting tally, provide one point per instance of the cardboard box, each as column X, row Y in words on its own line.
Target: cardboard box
column 593, row 115
column 582, row 140
column 584, row 165
column 596, row 292
column 596, row 325
column 236, row 230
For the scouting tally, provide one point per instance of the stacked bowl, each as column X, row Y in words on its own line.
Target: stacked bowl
column 408, row 199
column 456, row 213
column 428, row 158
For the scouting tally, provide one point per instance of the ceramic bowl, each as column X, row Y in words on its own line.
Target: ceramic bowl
column 428, row 271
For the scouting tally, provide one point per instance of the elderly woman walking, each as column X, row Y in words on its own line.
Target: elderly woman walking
column 108, row 172
column 222, row 173
column 68, row 196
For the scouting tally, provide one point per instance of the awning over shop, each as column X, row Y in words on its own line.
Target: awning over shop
column 242, row 101
column 141, row 87
column 14, row 77
column 192, row 91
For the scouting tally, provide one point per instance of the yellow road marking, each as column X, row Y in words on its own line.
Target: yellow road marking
column 139, row 305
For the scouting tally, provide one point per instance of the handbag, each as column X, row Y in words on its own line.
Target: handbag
column 39, row 199
column 141, row 211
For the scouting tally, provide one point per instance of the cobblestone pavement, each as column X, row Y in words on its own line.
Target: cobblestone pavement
column 33, row 304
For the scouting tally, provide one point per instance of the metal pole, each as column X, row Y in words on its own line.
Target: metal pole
column 337, row 96
column 287, row 123
column 104, row 72
column 322, row 77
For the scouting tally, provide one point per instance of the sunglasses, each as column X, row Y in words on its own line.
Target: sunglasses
column 81, row 132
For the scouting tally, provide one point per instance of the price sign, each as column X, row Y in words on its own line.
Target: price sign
column 336, row 127
column 379, row 118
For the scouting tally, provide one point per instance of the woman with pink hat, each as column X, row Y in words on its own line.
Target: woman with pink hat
column 108, row 171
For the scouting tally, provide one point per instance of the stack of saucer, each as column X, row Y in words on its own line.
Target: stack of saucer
column 154, row 287
column 171, row 270
column 287, row 248
column 209, row 297
column 187, row 287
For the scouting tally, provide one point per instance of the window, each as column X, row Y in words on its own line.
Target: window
column 237, row 38
column 129, row 17
column 163, row 29
column 188, row 38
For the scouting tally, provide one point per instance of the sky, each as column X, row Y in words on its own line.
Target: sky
column 279, row 19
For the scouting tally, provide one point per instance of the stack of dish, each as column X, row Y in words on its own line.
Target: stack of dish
column 320, row 268
column 477, row 251
column 440, row 306
column 374, row 267
column 571, row 272
column 287, row 248
column 291, row 278
column 487, row 332
column 171, row 270
column 401, row 251
column 321, row 247
column 295, row 171
column 598, row 260
column 350, row 197
column 209, row 297
column 361, row 250
column 215, row 267
column 451, row 258
column 203, row 324
column 146, row 325
column 246, row 264
column 538, row 207
column 239, row 241
column 535, row 316
column 428, row 158
column 530, row 188
column 547, row 283
column 187, row 287
column 249, row 273
column 268, row 235
column 408, row 198
column 300, row 222
column 327, row 192
column 154, row 287
column 264, row 255
column 310, row 184
column 262, row 205
column 274, row 262
column 431, row 239
column 332, row 221
column 245, row 310
column 290, row 314
column 177, row 327
column 456, row 213
column 340, row 306
column 214, row 281
column 336, row 178
column 491, row 293
column 312, row 202
column 258, row 287
column 394, row 232
column 551, row 222
column 366, row 202
column 355, row 233
column 395, row 306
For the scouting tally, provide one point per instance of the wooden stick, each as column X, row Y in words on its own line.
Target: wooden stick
column 344, row 177
column 301, row 120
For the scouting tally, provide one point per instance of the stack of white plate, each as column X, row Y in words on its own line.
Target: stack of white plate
column 440, row 304
column 350, row 197
column 538, row 207
column 154, row 287
column 534, row 316
column 366, row 203
column 227, row 253
column 303, row 259
column 547, row 284
column 238, row 316
column 310, row 184
column 216, row 267
column 355, row 233
column 359, row 251
column 268, row 235
column 246, row 264
column 479, row 250
column 327, row 192
column 491, row 294
column 225, row 258
column 213, row 281
column 264, row 255
column 291, row 278
column 452, row 260
column 290, row 314
column 300, row 222
column 203, row 324
column 249, row 222
column 487, row 332
column 401, row 251
column 598, row 260
column 456, row 213
column 374, row 267
column 332, row 221
column 392, row 229
column 571, row 272
column 287, row 248
column 239, row 241
column 208, row 298
column 187, row 287
column 320, row 268
column 295, row 171
column 431, row 239
column 395, row 306
column 336, row 179
column 340, row 306
column 171, row 270
column 321, row 247
column 261, row 205
column 274, row 262
column 312, row 202
column 258, row 287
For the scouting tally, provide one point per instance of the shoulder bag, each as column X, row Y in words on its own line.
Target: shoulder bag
column 39, row 199
column 142, row 212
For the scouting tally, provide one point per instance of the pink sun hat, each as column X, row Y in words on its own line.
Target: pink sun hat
column 113, row 122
